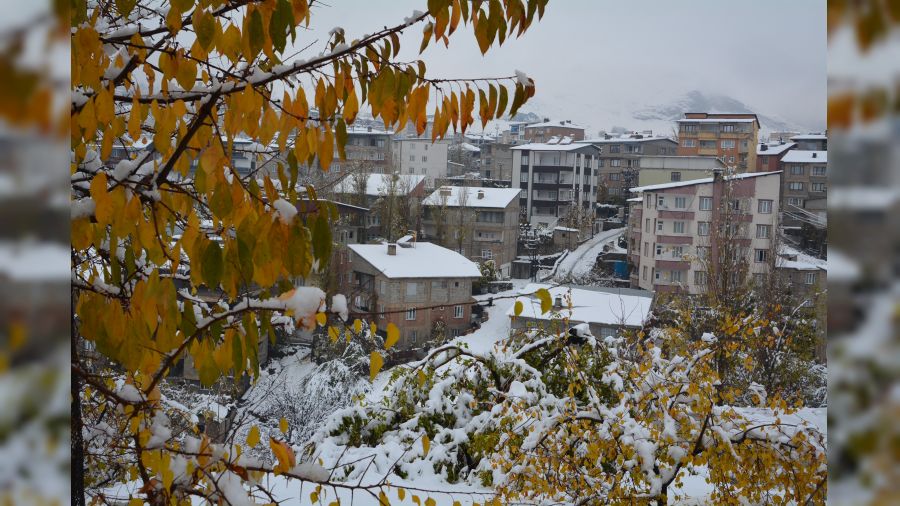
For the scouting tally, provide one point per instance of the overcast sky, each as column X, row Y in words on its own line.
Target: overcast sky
column 596, row 61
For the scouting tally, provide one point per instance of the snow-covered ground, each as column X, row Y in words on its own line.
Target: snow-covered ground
column 582, row 259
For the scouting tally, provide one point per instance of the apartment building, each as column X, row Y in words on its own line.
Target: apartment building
column 673, row 169
column 673, row 227
column 769, row 154
column 364, row 190
column 811, row 142
column 367, row 148
column 805, row 178
column 479, row 223
column 554, row 179
column 546, row 130
column 620, row 158
column 497, row 161
column 413, row 285
column 730, row 137
column 419, row 156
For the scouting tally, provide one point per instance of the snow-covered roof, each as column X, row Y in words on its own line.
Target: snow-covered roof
column 624, row 139
column 810, row 137
column 470, row 147
column 705, row 180
column 566, row 229
column 361, row 130
column 774, row 148
column 543, row 146
column 561, row 124
column 491, row 197
column 859, row 198
column 790, row 258
column 376, row 184
column 842, row 268
column 420, row 260
column 798, row 156
column 717, row 120
column 480, row 137
column 635, row 199
column 588, row 306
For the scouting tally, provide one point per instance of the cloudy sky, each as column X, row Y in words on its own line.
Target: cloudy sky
column 598, row 61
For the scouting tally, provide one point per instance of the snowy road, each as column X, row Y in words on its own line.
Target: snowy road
column 581, row 260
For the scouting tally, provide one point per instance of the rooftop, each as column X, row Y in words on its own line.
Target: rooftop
column 774, row 148
column 705, row 180
column 491, row 197
column 810, row 137
column 559, row 123
column 625, row 139
column 377, row 184
column 798, row 156
column 717, row 120
column 790, row 258
column 543, row 146
column 419, row 260
column 608, row 307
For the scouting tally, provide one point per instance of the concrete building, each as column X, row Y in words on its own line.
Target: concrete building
column 367, row 148
column 497, row 161
column 730, row 137
column 546, row 130
column 620, row 160
column 811, row 142
column 805, row 177
column 554, row 179
column 768, row 155
column 414, row 286
column 672, row 244
column 607, row 311
column 672, row 169
column 419, row 156
column 367, row 191
column 479, row 223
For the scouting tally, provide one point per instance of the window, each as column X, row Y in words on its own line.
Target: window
column 646, row 224
column 691, row 127
column 728, row 144
column 689, row 143
column 810, row 278
column 658, row 249
column 818, row 171
column 759, row 279
column 706, row 203
column 678, row 227
column 728, row 129
column 382, row 287
column 795, row 186
column 458, row 312
column 411, row 314
column 412, row 158
column 702, row 228
column 523, row 177
column 615, row 176
column 600, row 163
column 700, row 278
column 659, row 226
column 678, row 251
column 487, row 254
column 817, row 187
column 680, row 202
column 615, row 148
column 413, row 336
column 381, row 310
column 793, row 201
column 525, row 159
column 702, row 252
column 675, row 176
column 412, row 289
column 761, row 255
column 763, row 231
column 797, row 170
column 656, row 275
column 426, row 147
column 644, row 272
column 646, row 249
column 675, row 276
column 660, row 201
column 615, row 162
column 424, row 158
column 765, row 207
column 708, row 144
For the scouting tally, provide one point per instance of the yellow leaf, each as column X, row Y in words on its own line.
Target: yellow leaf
column 546, row 299
column 393, row 335
column 426, row 445
column 357, row 326
column 421, row 378
column 517, row 309
column 283, row 425
column 401, row 493
column 375, row 363
column 429, row 502
column 321, row 319
column 253, row 437
column 326, row 149
column 334, row 334
column 284, row 454
column 382, row 499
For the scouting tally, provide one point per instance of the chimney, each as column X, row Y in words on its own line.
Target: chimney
column 814, row 154
column 369, row 129
column 392, row 249
column 717, row 175
column 763, row 147
column 480, row 194
column 546, row 120
column 446, row 191
column 557, row 302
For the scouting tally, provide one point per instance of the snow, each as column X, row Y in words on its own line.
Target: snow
column 581, row 260
column 774, row 148
column 286, row 211
column 842, row 268
column 129, row 393
column 497, row 198
column 304, row 302
column 706, row 180
column 810, row 137
column 560, row 124
column 470, row 147
column 339, row 306
column 798, row 156
column 790, row 258
column 522, row 78
column 542, row 146
column 624, row 139
column 30, row 261
column 716, row 120
column 588, row 306
column 863, row 198
column 378, row 184
column 422, row 260
column 83, row 208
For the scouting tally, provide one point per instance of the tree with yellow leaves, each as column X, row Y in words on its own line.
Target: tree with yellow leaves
column 179, row 258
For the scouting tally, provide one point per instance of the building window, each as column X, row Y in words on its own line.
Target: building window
column 675, row 276
column 797, row 170
column 793, row 201
column 487, row 254
column 615, row 162
column 728, row 144
column 412, row 289
column 458, row 312
column 644, row 272
column 412, row 158
column 795, row 186
column 678, row 227
column 817, row 187
column 810, row 278
column 675, row 176
column 759, row 279
column 761, row 255
column 678, row 252
column 646, row 249
column 702, row 228
column 525, row 159
column 765, row 207
column 660, row 201
column 702, row 252
column 680, row 202
column 411, row 314
column 614, row 176
column 381, row 310
column 659, row 226
column 700, row 278
column 600, row 163
column 689, row 143
column 763, row 231
column 424, row 158
column 615, row 148
column 728, row 129
column 413, row 336
column 658, row 249
column 706, row 203
column 646, row 224
column 818, row 171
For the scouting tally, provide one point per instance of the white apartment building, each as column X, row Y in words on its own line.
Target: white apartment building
column 672, row 226
column 419, row 156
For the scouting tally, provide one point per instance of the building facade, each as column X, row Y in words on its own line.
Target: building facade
column 673, row 169
column 419, row 287
column 496, row 161
column 729, row 137
column 673, row 245
column 811, row 142
column 367, row 148
column 421, row 157
column 546, row 130
column 805, row 177
column 768, row 155
column 480, row 223
column 619, row 161
column 554, row 180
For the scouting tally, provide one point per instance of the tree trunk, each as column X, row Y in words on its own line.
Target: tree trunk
column 77, row 444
